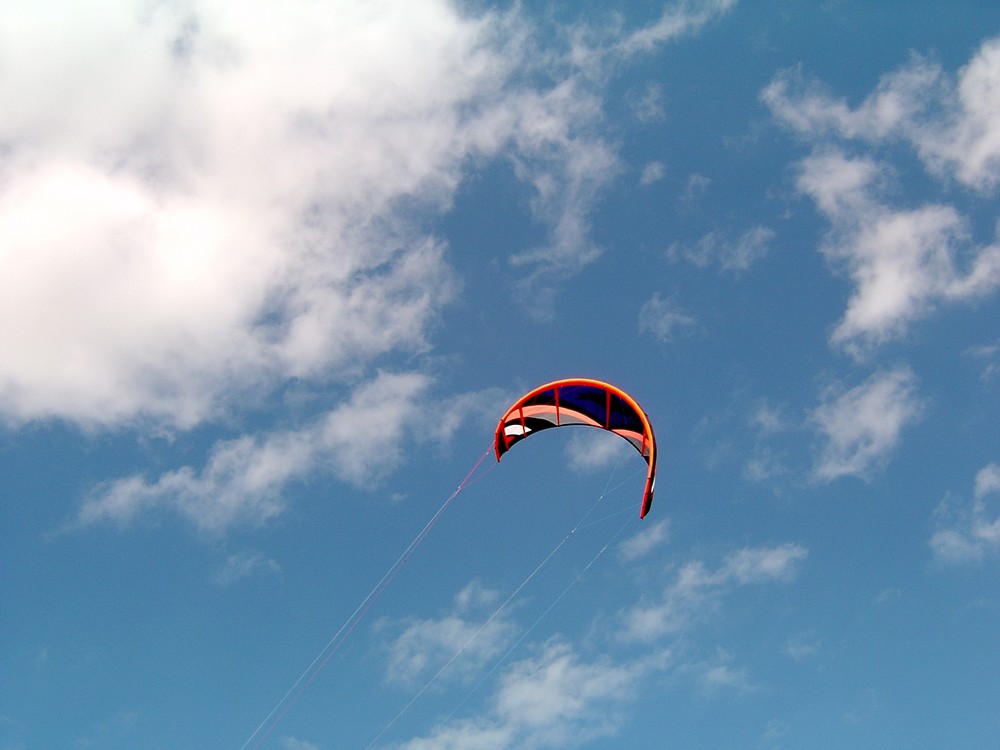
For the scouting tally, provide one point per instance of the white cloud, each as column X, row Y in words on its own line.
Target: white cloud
column 716, row 676
column 953, row 123
column 861, row 426
column 677, row 20
column 454, row 646
column 595, row 450
column 765, row 464
column 969, row 533
column 242, row 481
column 664, row 320
column 647, row 103
column 770, row 419
column 554, row 699
column 234, row 188
column 652, row 172
column 651, row 537
column 903, row 261
column 560, row 696
column 242, row 564
column 802, row 646
column 223, row 220
column 990, row 355
column 696, row 590
column 734, row 254
column 291, row 743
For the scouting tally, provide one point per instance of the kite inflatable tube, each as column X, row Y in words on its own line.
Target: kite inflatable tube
column 580, row 401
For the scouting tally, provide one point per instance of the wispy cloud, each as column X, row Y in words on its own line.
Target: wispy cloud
column 861, row 426
column 650, row 538
column 989, row 354
column 802, row 646
column 652, row 172
column 555, row 698
column 697, row 590
column 968, row 532
column 243, row 564
column 291, row 743
column 564, row 694
column 952, row 122
column 735, row 254
column 243, row 479
column 678, row 19
column 718, row 674
column 664, row 319
column 595, row 450
column 456, row 645
column 903, row 260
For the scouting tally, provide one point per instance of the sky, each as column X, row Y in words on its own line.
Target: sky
column 271, row 273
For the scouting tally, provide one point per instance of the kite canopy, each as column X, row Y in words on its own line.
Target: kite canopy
column 583, row 402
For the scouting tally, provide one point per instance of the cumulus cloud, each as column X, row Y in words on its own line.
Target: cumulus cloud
column 903, row 260
column 199, row 202
column 967, row 533
column 185, row 218
column 861, row 426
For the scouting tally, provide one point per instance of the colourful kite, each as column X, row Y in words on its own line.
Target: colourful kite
column 584, row 402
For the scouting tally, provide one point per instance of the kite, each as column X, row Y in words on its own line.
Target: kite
column 581, row 401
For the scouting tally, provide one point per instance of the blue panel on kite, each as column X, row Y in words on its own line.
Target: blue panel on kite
column 581, row 401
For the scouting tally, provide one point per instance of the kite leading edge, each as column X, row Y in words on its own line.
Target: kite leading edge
column 581, row 401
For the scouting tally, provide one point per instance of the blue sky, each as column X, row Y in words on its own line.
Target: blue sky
column 269, row 275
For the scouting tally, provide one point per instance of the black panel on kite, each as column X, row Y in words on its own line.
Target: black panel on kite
column 581, row 401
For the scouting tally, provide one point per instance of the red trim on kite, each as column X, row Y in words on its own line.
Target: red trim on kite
column 578, row 401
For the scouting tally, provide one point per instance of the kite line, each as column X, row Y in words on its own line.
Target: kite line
column 497, row 612
column 291, row 696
